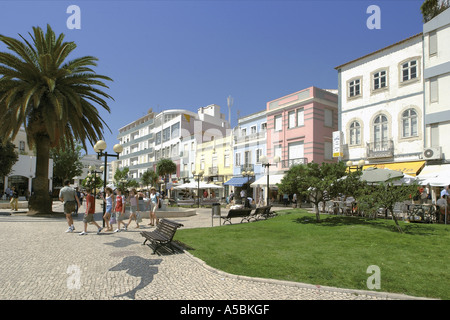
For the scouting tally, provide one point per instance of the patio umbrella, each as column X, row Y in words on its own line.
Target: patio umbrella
column 194, row 185
column 374, row 175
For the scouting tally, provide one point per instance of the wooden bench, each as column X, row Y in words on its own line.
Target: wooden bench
column 162, row 235
column 255, row 214
column 265, row 212
column 186, row 202
column 236, row 213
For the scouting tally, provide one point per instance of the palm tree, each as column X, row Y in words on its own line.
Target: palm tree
column 51, row 98
column 149, row 177
column 164, row 167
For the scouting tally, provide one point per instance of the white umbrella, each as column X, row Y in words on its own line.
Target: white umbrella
column 374, row 175
column 195, row 185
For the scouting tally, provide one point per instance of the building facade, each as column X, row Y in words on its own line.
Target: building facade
column 170, row 134
column 300, row 127
column 381, row 106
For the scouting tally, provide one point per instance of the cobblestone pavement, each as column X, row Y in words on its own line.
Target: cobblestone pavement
column 38, row 260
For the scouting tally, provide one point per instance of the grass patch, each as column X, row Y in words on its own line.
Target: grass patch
column 334, row 252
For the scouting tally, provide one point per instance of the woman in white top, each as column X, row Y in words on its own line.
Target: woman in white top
column 109, row 199
column 154, row 203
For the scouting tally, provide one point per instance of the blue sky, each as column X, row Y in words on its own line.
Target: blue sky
column 188, row 54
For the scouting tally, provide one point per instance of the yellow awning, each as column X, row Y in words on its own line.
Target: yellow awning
column 410, row 168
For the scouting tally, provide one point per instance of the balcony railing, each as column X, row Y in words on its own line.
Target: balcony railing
column 380, row 149
column 290, row 162
column 213, row 171
column 247, row 167
column 250, row 137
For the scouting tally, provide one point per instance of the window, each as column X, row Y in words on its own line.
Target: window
column 379, row 80
column 295, row 150
column 244, row 132
column 380, row 132
column 277, row 151
column 432, row 43
column 175, row 130
column 258, row 155
column 237, row 159
column 252, row 129
column 263, row 126
column 354, row 88
column 21, row 145
column 247, row 157
column 166, row 134
column 300, row 117
column 355, row 133
column 291, row 120
column 328, row 152
column 409, row 123
column 409, row 70
column 226, row 160
column 278, row 123
column 158, row 138
column 328, row 118
column 434, row 97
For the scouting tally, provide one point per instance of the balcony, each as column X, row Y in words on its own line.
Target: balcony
column 247, row 167
column 213, row 171
column 380, row 149
column 250, row 137
column 286, row 164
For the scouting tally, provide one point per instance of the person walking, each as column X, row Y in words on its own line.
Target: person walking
column 69, row 197
column 109, row 200
column 154, row 203
column 89, row 215
column 134, row 201
column 14, row 199
column 119, row 209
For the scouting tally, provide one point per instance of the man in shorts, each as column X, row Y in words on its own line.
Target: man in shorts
column 89, row 215
column 68, row 195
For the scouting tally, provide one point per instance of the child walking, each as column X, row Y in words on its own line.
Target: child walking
column 120, row 209
column 109, row 199
column 89, row 215
column 134, row 201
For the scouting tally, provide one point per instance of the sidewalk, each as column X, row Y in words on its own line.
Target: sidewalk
column 41, row 261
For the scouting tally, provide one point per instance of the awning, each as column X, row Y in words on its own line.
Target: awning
column 273, row 180
column 238, row 181
column 435, row 175
column 410, row 168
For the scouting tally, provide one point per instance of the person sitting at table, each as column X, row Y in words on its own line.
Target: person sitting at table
column 442, row 205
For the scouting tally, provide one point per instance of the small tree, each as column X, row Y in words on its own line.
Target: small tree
column 149, row 177
column 318, row 182
column 432, row 8
column 164, row 168
column 384, row 195
column 66, row 161
column 8, row 157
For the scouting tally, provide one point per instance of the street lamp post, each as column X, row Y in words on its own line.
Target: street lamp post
column 198, row 184
column 356, row 167
column 247, row 174
column 265, row 163
column 93, row 171
column 99, row 147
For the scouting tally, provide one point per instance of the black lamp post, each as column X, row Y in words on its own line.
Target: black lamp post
column 200, row 174
column 99, row 147
column 265, row 163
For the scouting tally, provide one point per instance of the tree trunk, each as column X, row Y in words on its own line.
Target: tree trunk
column 316, row 207
column 41, row 202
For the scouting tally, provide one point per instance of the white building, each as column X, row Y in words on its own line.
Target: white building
column 24, row 170
column 436, row 74
column 381, row 107
column 172, row 134
column 436, row 53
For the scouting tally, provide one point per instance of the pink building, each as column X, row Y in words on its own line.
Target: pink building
column 300, row 127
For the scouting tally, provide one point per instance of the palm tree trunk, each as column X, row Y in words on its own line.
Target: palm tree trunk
column 41, row 202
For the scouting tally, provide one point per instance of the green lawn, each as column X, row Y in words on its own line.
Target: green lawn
column 335, row 252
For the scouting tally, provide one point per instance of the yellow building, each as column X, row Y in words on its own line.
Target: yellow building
column 215, row 159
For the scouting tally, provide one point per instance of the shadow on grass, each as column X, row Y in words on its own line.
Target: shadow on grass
column 389, row 225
